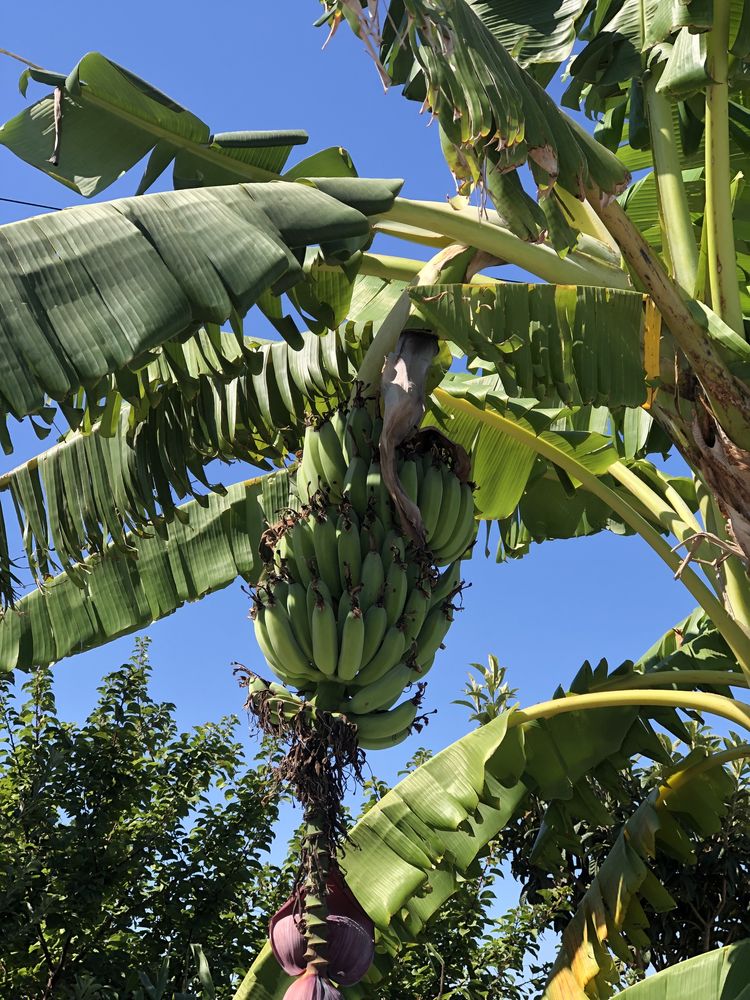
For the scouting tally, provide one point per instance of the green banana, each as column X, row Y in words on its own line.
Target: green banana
column 415, row 611
column 465, row 528
column 448, row 511
column 432, row 633
column 308, row 474
column 352, row 642
column 379, row 693
column 296, row 606
column 325, row 637
column 430, row 499
column 393, row 549
column 384, row 742
column 355, row 483
column 449, row 581
column 284, row 557
column 388, row 654
column 377, row 495
column 372, row 579
column 301, row 682
column 376, row 623
column 373, row 533
column 345, row 606
column 394, row 597
column 304, row 549
column 282, row 702
column 407, row 473
column 325, row 544
column 282, row 638
column 349, row 550
column 261, row 637
column 256, row 684
column 332, row 464
column 380, row 725
column 358, row 436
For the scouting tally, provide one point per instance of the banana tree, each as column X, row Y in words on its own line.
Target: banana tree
column 113, row 315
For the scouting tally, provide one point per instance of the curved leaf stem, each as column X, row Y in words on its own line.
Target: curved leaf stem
column 677, row 226
column 722, row 267
column 736, row 637
column 384, row 266
column 663, row 678
column 679, row 778
column 715, row 704
column 664, row 512
column 466, row 226
column 734, row 572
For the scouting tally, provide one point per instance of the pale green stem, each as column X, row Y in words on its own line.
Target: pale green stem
column 672, row 497
column 665, row 678
column 715, row 704
column 663, row 511
column 736, row 579
column 678, row 232
column 410, row 234
column 722, row 266
column 683, row 528
column 674, row 781
column 735, row 636
column 389, row 268
column 465, row 226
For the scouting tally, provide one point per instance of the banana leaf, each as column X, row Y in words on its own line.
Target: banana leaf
column 202, row 399
column 723, row 974
column 506, row 435
column 538, row 36
column 87, row 291
column 111, row 119
column 209, row 546
column 573, row 343
column 690, row 802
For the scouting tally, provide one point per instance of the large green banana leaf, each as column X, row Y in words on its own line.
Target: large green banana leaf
column 723, row 974
column 505, row 435
column 573, row 343
column 209, row 546
column 87, row 291
column 209, row 396
column 624, row 39
column 95, row 485
column 111, row 119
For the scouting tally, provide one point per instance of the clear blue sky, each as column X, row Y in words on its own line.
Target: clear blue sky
column 260, row 66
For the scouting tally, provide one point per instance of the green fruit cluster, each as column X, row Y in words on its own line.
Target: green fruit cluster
column 349, row 606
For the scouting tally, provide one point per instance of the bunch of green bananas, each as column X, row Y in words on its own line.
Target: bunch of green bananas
column 350, row 611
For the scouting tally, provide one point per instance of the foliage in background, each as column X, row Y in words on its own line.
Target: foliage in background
column 124, row 840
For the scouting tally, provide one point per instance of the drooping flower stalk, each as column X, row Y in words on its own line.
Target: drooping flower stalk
column 317, row 857
column 321, row 932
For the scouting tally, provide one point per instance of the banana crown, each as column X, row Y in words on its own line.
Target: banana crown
column 348, row 601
